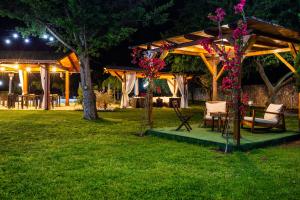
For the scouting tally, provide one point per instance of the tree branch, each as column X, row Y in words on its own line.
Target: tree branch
column 59, row 38
column 264, row 77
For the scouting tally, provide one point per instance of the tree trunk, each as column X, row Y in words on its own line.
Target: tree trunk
column 89, row 98
column 149, row 104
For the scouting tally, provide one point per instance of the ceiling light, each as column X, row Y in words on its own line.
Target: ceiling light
column 2, row 69
column 16, row 66
column 54, row 69
column 28, row 69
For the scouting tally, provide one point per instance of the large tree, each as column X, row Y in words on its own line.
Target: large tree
column 85, row 27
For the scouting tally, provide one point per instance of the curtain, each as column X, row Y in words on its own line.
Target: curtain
column 21, row 80
column 172, row 86
column 136, row 87
column 43, row 77
column 183, row 88
column 127, row 87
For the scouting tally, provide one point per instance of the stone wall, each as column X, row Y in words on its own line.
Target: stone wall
column 258, row 94
column 286, row 95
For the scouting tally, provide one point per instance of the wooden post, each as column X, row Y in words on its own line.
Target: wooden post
column 46, row 96
column 25, row 82
column 67, row 88
column 215, row 83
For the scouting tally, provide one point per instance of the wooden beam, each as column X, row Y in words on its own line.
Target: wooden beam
column 207, row 64
column 293, row 50
column 185, row 52
column 164, row 54
column 285, row 62
column 220, row 73
column 266, row 52
column 119, row 76
column 25, row 82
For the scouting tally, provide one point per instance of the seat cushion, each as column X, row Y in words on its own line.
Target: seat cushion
column 261, row 120
column 215, row 107
column 275, row 108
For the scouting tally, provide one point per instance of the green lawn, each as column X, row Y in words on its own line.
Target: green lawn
column 57, row 155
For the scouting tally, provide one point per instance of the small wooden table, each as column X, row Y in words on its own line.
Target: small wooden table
column 218, row 116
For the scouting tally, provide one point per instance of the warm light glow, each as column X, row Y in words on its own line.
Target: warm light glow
column 54, row 69
column 20, row 85
column 28, row 69
column 16, row 66
column 7, row 41
column 15, row 35
column 2, row 69
column 27, row 40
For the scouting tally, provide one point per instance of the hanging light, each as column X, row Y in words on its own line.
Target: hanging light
column 2, row 69
column 54, row 69
column 28, row 69
column 20, row 85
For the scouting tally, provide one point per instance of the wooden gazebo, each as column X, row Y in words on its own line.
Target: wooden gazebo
column 264, row 38
column 44, row 62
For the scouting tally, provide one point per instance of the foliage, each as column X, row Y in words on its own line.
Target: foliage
column 185, row 63
column 103, row 99
column 297, row 66
column 57, row 154
column 113, row 81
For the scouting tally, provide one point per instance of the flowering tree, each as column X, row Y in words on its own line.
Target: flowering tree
column 151, row 65
column 231, row 59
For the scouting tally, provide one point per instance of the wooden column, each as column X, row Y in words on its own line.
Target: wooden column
column 25, row 82
column 46, row 96
column 215, row 83
column 67, row 88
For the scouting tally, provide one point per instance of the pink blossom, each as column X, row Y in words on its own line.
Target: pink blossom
column 206, row 44
column 239, row 8
column 240, row 31
column 219, row 17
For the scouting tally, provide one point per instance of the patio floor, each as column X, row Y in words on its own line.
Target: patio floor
column 205, row 136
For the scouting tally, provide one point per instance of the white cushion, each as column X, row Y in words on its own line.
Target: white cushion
column 275, row 108
column 261, row 120
column 215, row 107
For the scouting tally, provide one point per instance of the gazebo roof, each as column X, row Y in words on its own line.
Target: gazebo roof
column 119, row 71
column 9, row 59
column 269, row 38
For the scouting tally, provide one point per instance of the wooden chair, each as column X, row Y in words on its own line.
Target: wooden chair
column 214, row 107
column 273, row 118
column 183, row 118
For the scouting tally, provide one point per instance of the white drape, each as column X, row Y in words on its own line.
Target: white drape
column 21, row 80
column 183, row 88
column 173, row 86
column 136, row 87
column 127, row 87
column 43, row 77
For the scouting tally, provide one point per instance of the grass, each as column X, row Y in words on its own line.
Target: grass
column 57, row 155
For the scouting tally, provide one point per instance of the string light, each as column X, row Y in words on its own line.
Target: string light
column 7, row 41
column 15, row 35
column 2, row 69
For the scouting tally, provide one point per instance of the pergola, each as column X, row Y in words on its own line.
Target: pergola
column 124, row 74
column 264, row 38
column 43, row 62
